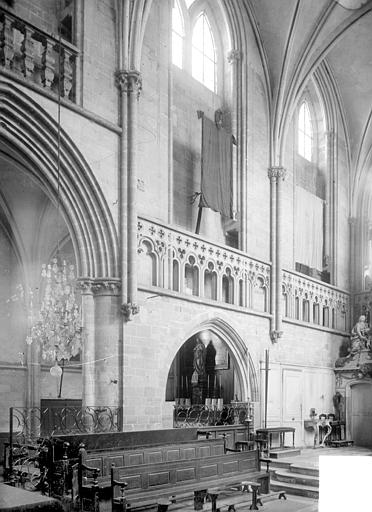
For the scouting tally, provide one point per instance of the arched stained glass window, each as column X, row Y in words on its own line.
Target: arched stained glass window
column 203, row 53
column 178, row 35
column 305, row 132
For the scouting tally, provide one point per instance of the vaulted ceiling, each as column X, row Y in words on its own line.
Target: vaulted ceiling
column 299, row 36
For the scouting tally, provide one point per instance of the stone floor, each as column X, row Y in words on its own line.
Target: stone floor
column 309, row 457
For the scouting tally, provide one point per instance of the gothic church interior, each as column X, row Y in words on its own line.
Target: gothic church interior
column 185, row 210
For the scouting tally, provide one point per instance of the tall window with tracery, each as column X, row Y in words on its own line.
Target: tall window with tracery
column 312, row 189
column 194, row 50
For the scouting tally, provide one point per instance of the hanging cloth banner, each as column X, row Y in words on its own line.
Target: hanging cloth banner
column 216, row 169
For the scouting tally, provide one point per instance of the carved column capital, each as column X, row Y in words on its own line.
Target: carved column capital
column 275, row 335
column 233, row 56
column 129, row 309
column 129, row 82
column 85, row 285
column 100, row 286
column 276, row 173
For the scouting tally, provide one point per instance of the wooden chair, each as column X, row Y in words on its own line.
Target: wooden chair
column 118, row 503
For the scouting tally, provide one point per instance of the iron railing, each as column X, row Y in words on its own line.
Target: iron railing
column 202, row 415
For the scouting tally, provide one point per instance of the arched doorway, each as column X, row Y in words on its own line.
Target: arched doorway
column 204, row 369
column 224, row 390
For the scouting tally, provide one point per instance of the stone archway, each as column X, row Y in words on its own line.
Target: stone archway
column 29, row 142
column 31, row 136
column 245, row 371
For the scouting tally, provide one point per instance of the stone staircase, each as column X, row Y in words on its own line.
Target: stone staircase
column 294, row 478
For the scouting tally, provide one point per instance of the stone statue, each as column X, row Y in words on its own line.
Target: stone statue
column 359, row 336
column 199, row 361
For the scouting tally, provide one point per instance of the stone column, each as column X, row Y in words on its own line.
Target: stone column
column 279, row 248
column 272, row 175
column 129, row 83
column 101, row 359
column 234, row 58
column 107, row 347
column 88, row 350
column 276, row 175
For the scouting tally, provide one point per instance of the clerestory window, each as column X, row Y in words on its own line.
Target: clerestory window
column 305, row 132
column 203, row 53
column 193, row 43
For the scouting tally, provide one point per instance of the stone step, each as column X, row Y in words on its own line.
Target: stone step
column 304, row 470
column 277, row 463
column 284, row 475
column 295, row 489
column 286, row 452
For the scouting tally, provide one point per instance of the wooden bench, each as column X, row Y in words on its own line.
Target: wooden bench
column 155, row 454
column 146, row 485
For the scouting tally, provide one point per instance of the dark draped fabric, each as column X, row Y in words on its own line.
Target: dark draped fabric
column 216, row 169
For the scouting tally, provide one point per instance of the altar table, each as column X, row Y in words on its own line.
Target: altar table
column 281, row 431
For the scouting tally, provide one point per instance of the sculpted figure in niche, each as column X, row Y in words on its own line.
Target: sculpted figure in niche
column 199, row 361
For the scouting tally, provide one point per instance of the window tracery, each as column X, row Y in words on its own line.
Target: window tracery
column 193, row 43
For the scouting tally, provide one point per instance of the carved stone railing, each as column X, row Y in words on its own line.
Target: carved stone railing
column 312, row 301
column 188, row 264
column 37, row 56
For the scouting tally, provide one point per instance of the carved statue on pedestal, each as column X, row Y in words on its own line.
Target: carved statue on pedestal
column 359, row 341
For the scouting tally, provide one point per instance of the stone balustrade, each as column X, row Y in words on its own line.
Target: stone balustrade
column 37, row 56
column 315, row 302
column 182, row 262
column 188, row 264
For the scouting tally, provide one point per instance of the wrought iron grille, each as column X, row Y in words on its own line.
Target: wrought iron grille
column 29, row 424
column 202, row 415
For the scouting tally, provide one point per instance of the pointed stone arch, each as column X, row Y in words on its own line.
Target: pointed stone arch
column 247, row 374
column 31, row 135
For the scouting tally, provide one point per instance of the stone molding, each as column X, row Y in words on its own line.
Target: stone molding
column 276, row 173
column 275, row 335
column 233, row 56
column 129, row 82
column 130, row 309
column 99, row 286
